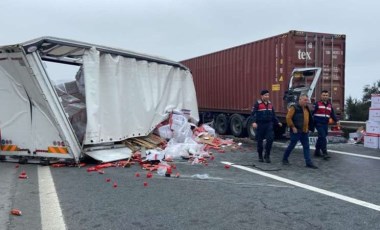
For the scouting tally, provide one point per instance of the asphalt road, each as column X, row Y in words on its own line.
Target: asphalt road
column 344, row 193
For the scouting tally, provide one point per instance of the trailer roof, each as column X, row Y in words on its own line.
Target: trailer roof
column 71, row 52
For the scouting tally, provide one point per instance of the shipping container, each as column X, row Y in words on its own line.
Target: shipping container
column 228, row 82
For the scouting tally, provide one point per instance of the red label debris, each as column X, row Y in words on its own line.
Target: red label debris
column 16, row 212
column 91, row 169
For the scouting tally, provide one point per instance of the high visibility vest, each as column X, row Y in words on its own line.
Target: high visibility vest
column 323, row 110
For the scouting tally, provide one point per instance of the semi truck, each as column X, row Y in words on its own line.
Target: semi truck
column 115, row 94
column 229, row 81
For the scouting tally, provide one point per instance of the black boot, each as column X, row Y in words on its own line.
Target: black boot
column 325, row 155
column 317, row 153
column 311, row 165
column 267, row 157
column 261, row 157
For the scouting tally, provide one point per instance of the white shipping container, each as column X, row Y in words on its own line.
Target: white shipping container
column 375, row 101
column 371, row 140
column 374, row 114
column 373, row 127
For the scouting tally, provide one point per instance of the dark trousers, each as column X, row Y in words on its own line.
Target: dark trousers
column 304, row 139
column 321, row 144
column 264, row 131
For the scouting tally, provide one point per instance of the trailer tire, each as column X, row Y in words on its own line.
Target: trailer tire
column 44, row 162
column 221, row 124
column 22, row 160
column 237, row 125
column 250, row 130
column 205, row 117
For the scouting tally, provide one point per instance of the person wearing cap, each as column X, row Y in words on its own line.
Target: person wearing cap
column 322, row 113
column 264, row 117
column 300, row 121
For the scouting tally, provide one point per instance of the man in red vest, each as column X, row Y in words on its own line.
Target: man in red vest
column 264, row 117
column 322, row 113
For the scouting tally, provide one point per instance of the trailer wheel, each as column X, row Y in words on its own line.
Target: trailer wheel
column 221, row 124
column 205, row 117
column 44, row 162
column 250, row 130
column 237, row 125
column 22, row 160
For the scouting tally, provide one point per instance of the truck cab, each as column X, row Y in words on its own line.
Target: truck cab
column 302, row 81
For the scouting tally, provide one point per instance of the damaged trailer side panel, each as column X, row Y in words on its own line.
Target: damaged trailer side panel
column 126, row 97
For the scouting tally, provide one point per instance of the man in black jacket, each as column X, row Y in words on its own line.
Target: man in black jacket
column 300, row 121
column 264, row 117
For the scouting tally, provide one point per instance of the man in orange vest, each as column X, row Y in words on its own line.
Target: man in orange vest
column 300, row 121
column 322, row 113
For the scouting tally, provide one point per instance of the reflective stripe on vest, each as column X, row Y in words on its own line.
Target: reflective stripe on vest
column 262, row 106
column 323, row 110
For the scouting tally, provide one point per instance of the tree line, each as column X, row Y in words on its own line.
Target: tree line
column 358, row 109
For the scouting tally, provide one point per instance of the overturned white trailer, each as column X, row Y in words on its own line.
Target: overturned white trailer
column 125, row 94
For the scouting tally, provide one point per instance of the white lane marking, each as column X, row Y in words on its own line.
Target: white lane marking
column 227, row 181
column 353, row 154
column 51, row 213
column 308, row 187
column 341, row 152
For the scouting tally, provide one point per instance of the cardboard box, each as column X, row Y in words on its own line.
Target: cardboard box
column 371, row 140
column 375, row 101
column 374, row 114
column 373, row 127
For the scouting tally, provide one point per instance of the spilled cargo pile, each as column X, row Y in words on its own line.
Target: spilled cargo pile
column 175, row 139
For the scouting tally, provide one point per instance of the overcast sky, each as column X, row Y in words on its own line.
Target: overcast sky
column 182, row 29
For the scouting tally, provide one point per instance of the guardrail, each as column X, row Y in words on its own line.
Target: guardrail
column 352, row 124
